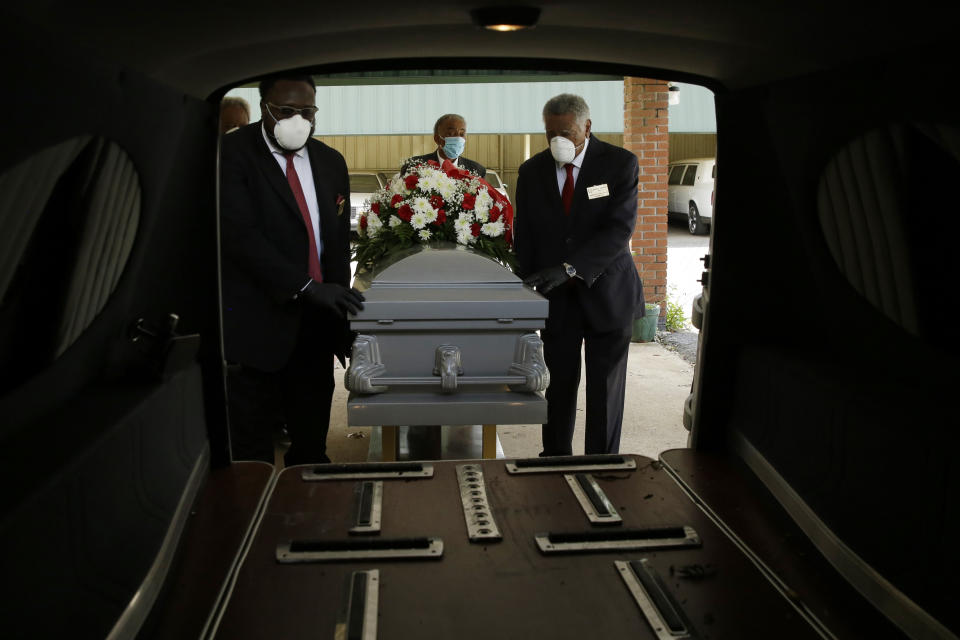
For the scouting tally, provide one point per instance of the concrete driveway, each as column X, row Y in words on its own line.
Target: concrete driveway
column 684, row 265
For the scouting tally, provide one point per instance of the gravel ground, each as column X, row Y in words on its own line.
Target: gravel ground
column 684, row 343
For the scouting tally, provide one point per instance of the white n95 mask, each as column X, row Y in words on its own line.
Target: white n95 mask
column 292, row 133
column 562, row 150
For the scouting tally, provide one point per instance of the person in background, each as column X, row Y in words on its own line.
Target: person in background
column 285, row 238
column 450, row 134
column 234, row 113
column 576, row 208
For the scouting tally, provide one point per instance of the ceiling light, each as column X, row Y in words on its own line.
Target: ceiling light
column 506, row 18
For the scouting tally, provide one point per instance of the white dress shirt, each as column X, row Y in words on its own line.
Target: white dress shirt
column 577, row 162
column 301, row 162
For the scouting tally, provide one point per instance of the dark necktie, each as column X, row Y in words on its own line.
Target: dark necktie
column 567, row 194
column 313, row 259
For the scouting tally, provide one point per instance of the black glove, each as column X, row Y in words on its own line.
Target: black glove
column 333, row 297
column 547, row 279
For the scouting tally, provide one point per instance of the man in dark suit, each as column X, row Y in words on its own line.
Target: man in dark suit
column 450, row 134
column 576, row 208
column 285, row 236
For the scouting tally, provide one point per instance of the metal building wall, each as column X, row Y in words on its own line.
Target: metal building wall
column 489, row 107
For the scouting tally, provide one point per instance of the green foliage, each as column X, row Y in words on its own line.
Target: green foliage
column 675, row 320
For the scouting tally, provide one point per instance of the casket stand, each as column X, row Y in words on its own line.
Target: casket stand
column 447, row 336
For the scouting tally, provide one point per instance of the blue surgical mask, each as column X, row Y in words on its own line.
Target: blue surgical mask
column 453, row 146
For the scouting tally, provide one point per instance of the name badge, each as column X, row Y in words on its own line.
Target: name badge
column 597, row 191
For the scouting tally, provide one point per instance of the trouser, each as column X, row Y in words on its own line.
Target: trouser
column 298, row 395
column 605, row 354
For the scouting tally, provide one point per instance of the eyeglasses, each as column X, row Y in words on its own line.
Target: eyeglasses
column 288, row 112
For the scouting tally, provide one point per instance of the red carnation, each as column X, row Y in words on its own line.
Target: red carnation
column 405, row 213
column 396, row 200
column 433, row 163
column 494, row 214
column 411, row 181
column 475, row 229
column 436, row 202
column 468, row 201
column 363, row 222
column 375, row 207
column 441, row 216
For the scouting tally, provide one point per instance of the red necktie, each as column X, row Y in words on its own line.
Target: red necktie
column 313, row 259
column 567, row 194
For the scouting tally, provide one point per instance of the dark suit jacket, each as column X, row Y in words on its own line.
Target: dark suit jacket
column 463, row 163
column 594, row 238
column 264, row 245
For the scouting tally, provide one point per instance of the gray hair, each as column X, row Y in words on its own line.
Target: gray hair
column 444, row 118
column 235, row 101
column 567, row 103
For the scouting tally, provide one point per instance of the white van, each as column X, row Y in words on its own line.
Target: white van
column 690, row 191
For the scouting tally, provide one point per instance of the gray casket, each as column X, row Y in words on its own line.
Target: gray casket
column 447, row 336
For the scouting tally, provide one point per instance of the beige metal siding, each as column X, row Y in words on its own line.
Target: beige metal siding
column 692, row 145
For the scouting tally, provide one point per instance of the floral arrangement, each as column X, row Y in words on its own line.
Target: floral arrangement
column 431, row 203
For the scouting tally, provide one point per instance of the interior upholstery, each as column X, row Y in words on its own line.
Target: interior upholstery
column 83, row 542
column 24, row 191
column 861, row 437
column 70, row 216
column 879, row 196
column 98, row 450
column 843, row 385
column 860, row 202
column 112, row 203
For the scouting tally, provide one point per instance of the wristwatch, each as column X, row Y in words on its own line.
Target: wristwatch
column 570, row 269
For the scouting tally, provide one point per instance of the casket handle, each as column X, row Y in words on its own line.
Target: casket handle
column 447, row 365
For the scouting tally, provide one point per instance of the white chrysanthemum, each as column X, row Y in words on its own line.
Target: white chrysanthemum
column 492, row 229
column 425, row 234
column 422, row 205
column 396, row 186
column 395, row 221
column 430, row 180
column 462, row 224
column 465, row 238
column 484, row 201
column 447, row 187
column 374, row 225
column 418, row 221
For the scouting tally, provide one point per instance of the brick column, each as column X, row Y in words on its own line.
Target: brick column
column 645, row 123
